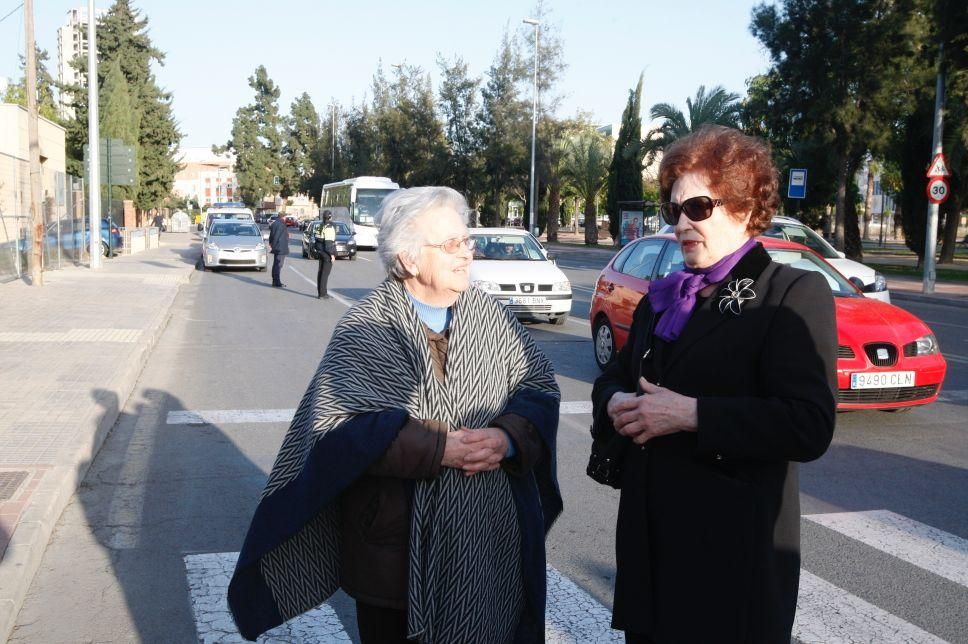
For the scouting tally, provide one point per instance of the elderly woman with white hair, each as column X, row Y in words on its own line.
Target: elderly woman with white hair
column 419, row 470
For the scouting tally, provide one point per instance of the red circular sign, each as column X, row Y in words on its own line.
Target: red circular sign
column 938, row 190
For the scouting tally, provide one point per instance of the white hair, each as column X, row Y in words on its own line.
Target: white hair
column 397, row 216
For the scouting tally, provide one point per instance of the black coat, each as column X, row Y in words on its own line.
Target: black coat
column 708, row 536
column 279, row 237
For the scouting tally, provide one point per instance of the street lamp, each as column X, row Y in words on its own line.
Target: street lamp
column 534, row 122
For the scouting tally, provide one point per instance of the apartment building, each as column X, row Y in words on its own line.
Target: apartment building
column 71, row 43
column 206, row 177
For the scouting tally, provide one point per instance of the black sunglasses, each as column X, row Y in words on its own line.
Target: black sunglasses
column 696, row 208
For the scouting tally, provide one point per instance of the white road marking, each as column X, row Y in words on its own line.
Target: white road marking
column 954, row 357
column 365, row 259
column 953, row 395
column 239, row 416
column 936, row 551
column 573, row 616
column 585, row 324
column 128, row 501
column 230, row 416
column 827, row 614
column 208, row 582
column 335, row 296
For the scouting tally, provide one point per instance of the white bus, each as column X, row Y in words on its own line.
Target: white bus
column 357, row 200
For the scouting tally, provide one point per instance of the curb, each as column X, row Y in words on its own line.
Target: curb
column 27, row 545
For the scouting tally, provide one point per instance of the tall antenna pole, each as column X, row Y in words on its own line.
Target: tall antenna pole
column 94, row 143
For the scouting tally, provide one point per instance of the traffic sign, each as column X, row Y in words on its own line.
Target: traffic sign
column 938, row 190
column 938, row 167
column 797, row 188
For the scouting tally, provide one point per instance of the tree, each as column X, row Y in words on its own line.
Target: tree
column 457, row 100
column 302, row 146
column 257, row 142
column 119, row 119
column 719, row 107
column 833, row 76
column 625, row 170
column 46, row 105
column 361, row 151
column 586, row 168
column 504, row 131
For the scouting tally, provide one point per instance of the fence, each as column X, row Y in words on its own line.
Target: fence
column 136, row 240
column 66, row 237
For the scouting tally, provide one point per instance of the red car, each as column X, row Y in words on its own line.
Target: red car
column 887, row 358
column 290, row 221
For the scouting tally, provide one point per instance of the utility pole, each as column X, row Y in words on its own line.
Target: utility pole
column 534, row 123
column 36, row 257
column 94, row 143
column 931, row 234
column 332, row 160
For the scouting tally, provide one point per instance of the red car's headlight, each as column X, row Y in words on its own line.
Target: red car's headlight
column 924, row 346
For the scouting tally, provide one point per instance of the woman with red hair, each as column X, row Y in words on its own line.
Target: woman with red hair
column 726, row 382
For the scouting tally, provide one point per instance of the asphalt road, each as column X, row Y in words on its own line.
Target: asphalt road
column 160, row 492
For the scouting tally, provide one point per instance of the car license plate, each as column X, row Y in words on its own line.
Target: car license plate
column 882, row 380
column 527, row 300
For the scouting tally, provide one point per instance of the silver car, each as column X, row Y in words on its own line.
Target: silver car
column 234, row 244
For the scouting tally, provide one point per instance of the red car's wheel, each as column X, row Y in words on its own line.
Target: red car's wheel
column 604, row 342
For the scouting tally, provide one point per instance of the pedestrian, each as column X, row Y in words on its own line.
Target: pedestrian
column 415, row 475
column 158, row 222
column 279, row 246
column 726, row 382
column 324, row 243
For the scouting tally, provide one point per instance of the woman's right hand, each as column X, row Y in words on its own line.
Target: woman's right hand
column 455, row 449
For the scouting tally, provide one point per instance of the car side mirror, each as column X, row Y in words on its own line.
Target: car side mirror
column 552, row 257
column 856, row 281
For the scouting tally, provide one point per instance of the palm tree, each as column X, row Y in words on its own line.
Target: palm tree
column 586, row 168
column 719, row 107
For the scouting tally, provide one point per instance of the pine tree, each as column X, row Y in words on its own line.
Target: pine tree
column 303, row 140
column 119, row 120
column 625, row 171
column 46, row 105
column 457, row 100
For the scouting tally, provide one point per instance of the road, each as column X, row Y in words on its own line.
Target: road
column 147, row 542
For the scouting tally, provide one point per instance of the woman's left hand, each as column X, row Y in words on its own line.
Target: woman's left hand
column 656, row 412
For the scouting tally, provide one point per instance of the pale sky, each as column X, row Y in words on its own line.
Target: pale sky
column 331, row 50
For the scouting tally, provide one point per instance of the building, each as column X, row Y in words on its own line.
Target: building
column 205, row 177
column 71, row 43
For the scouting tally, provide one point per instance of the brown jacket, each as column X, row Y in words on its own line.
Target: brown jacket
column 375, row 510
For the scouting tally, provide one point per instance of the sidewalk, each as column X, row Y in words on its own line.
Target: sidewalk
column 70, row 355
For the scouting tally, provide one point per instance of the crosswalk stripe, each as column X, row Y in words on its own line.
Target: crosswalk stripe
column 236, row 416
column 208, row 583
column 827, row 614
column 936, row 551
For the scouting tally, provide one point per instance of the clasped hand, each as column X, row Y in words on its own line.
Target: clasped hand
column 475, row 450
column 656, row 412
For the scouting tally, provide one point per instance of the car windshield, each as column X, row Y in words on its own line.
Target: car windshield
column 341, row 228
column 367, row 204
column 507, row 248
column 802, row 235
column 235, row 230
column 807, row 261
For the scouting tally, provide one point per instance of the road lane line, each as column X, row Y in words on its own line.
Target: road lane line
column 827, row 614
column 936, row 551
column 335, row 296
column 240, row 416
column 208, row 582
column 954, row 357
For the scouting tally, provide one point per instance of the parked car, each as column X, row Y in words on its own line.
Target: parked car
column 513, row 267
column 872, row 283
column 291, row 221
column 345, row 243
column 69, row 234
column 887, row 358
column 234, row 244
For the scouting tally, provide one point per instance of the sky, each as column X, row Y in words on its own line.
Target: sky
column 331, row 50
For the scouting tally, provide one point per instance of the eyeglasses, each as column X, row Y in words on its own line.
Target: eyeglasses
column 695, row 208
column 454, row 244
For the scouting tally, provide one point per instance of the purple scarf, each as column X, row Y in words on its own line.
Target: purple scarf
column 677, row 291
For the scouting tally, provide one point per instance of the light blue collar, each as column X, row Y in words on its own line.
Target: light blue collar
column 435, row 317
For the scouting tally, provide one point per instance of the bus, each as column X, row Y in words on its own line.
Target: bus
column 357, row 200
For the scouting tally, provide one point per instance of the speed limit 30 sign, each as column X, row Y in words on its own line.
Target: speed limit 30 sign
column 938, row 190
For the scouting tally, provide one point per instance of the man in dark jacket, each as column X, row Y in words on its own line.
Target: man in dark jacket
column 279, row 246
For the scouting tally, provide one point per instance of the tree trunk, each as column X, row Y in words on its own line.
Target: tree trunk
column 554, row 208
column 868, row 202
column 591, row 223
column 498, row 219
column 952, row 213
column 841, row 203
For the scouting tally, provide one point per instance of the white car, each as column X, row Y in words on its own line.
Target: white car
column 234, row 244
column 872, row 283
column 513, row 267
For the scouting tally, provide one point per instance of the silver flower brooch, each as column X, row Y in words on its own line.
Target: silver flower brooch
column 731, row 298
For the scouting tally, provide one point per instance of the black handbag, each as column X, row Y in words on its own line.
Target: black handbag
column 608, row 447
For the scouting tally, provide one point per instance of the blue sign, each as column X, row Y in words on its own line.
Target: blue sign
column 797, row 189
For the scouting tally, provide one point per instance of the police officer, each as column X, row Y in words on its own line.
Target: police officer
column 325, row 244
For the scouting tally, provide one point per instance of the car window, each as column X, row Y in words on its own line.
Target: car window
column 802, row 235
column 247, row 231
column 507, row 248
column 643, row 258
column 807, row 261
column 622, row 257
column 671, row 260
column 341, row 228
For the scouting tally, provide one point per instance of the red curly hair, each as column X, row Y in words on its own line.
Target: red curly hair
column 739, row 169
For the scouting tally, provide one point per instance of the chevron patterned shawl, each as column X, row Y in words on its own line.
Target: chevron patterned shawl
column 471, row 537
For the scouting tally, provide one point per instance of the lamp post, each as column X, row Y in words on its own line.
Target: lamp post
column 534, row 123
column 94, row 143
